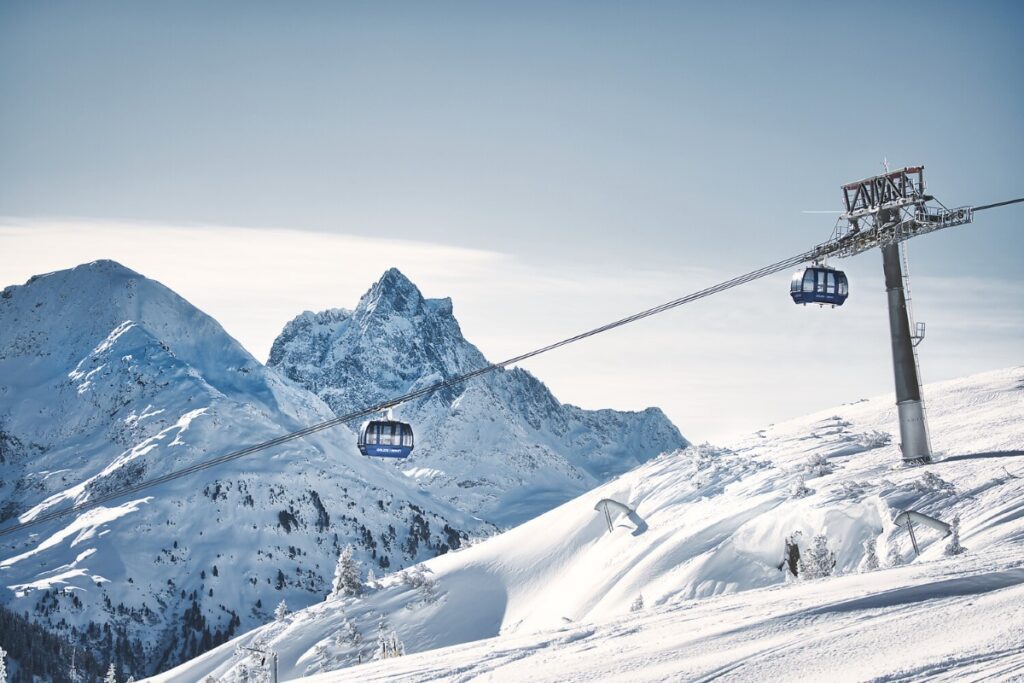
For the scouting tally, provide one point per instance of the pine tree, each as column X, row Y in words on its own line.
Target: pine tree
column 281, row 611
column 111, row 676
column 371, row 578
column 638, row 604
column 818, row 562
column 382, row 640
column 3, row 665
column 894, row 557
column 395, row 646
column 347, row 633
column 346, row 575
column 870, row 561
column 321, row 657
column 73, row 674
column 954, row 547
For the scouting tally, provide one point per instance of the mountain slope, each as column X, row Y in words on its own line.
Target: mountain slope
column 501, row 446
column 108, row 378
column 706, row 553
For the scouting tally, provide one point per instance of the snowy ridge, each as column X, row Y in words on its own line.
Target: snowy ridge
column 699, row 587
column 108, row 378
column 502, row 446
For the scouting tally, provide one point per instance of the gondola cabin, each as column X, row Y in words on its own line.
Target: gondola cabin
column 819, row 284
column 385, row 439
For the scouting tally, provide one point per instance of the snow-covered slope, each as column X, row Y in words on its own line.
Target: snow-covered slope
column 108, row 378
column 502, row 446
column 704, row 551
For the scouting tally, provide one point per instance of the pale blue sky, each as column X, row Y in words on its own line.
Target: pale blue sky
column 605, row 137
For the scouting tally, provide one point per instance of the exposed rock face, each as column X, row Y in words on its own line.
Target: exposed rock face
column 502, row 446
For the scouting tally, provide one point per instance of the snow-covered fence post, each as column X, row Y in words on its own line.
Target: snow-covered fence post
column 913, row 538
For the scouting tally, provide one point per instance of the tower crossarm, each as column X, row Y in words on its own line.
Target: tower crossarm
column 902, row 224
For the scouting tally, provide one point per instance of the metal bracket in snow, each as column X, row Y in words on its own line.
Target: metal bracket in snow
column 908, row 518
column 614, row 508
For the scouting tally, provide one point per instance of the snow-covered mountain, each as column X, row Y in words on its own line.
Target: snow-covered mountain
column 693, row 585
column 502, row 446
column 108, row 378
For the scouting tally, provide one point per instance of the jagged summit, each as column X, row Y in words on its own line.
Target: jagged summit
column 394, row 292
column 501, row 446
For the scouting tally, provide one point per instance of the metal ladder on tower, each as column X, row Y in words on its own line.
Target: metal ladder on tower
column 918, row 336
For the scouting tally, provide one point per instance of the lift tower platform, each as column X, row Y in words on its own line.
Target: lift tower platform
column 883, row 211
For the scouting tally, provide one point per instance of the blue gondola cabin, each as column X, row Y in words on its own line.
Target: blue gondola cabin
column 819, row 285
column 386, row 439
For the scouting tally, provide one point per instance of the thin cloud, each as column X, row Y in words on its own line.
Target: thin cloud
column 731, row 363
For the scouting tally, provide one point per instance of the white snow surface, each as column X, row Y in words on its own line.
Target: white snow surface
column 108, row 378
column 502, row 446
column 556, row 598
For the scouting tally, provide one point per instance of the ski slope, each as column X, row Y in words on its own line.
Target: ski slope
column 557, row 597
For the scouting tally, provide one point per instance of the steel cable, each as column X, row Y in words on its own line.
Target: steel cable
column 390, row 403
column 821, row 250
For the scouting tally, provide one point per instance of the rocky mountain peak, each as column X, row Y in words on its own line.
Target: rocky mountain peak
column 486, row 444
column 108, row 378
column 395, row 294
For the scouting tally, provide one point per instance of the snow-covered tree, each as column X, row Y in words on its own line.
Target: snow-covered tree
column 894, row 558
column 870, row 561
column 371, row 578
column 954, row 547
column 111, row 676
column 818, row 561
column 382, row 639
column 323, row 660
column 798, row 489
column 931, row 482
column 396, row 646
column 818, row 466
column 346, row 574
column 347, row 633
column 417, row 578
column 3, row 665
column 638, row 604
column 873, row 439
column 73, row 674
column 281, row 611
